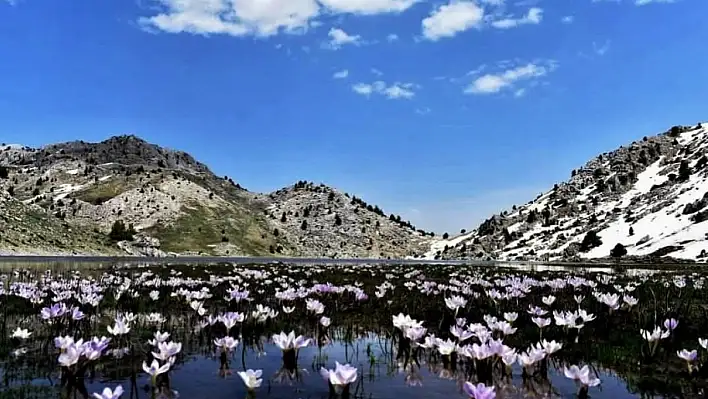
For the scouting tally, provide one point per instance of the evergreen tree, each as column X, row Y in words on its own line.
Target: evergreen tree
column 590, row 241
column 119, row 231
column 684, row 171
column 618, row 251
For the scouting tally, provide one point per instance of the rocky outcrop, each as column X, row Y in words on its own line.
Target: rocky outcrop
column 142, row 246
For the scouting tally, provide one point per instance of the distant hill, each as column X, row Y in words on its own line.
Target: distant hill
column 650, row 196
column 66, row 198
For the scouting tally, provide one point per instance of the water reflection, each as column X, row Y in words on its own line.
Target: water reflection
column 161, row 298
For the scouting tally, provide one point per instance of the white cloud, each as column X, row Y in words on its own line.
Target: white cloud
column 363, row 88
column 257, row 17
column 532, row 17
column 394, row 91
column 568, row 19
column 494, row 83
column 645, row 2
column 338, row 38
column 423, row 111
column 341, row 74
column 450, row 19
column 601, row 49
column 233, row 17
column 391, row 37
column 366, row 6
column 376, row 72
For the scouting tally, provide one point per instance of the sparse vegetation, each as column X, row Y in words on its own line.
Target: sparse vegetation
column 121, row 232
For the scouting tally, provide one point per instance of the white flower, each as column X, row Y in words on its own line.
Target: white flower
column 21, row 333
column 251, row 378
column 108, row 394
column 341, row 375
column 155, row 369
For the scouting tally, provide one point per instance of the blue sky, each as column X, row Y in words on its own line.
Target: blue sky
column 442, row 111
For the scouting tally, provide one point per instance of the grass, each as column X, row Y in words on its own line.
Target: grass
column 43, row 231
column 101, row 192
column 200, row 227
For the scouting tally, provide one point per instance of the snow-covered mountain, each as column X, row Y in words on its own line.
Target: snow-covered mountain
column 650, row 196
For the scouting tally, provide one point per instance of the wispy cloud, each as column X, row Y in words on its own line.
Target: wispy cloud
column 645, row 2
column 507, row 79
column 376, row 72
column 568, row 19
column 339, row 38
column 392, row 38
column 532, row 17
column 341, row 74
column 393, row 91
column 601, row 49
column 423, row 111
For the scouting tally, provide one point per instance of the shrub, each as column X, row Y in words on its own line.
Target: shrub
column 590, row 241
column 119, row 231
column 4, row 173
column 445, row 236
column 618, row 251
column 684, row 171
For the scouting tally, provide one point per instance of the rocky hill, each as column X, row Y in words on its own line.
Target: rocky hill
column 127, row 196
column 650, row 197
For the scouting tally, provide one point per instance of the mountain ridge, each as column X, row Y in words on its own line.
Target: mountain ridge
column 648, row 196
column 178, row 205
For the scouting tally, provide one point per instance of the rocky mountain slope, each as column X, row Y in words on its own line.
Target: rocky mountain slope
column 650, row 196
column 67, row 198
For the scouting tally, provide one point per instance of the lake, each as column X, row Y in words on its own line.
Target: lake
column 414, row 330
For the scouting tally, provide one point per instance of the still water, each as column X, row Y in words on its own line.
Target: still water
column 359, row 302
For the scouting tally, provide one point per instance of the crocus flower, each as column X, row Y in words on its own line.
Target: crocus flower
column 581, row 374
column 251, row 378
column 70, row 356
column 686, row 355
column 108, row 394
column 226, row 344
column 155, row 369
column 342, row 375
column 290, row 341
column 479, row 391
column 670, row 324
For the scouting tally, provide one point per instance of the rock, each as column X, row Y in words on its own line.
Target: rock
column 142, row 246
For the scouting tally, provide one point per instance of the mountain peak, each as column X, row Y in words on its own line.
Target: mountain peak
column 650, row 197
